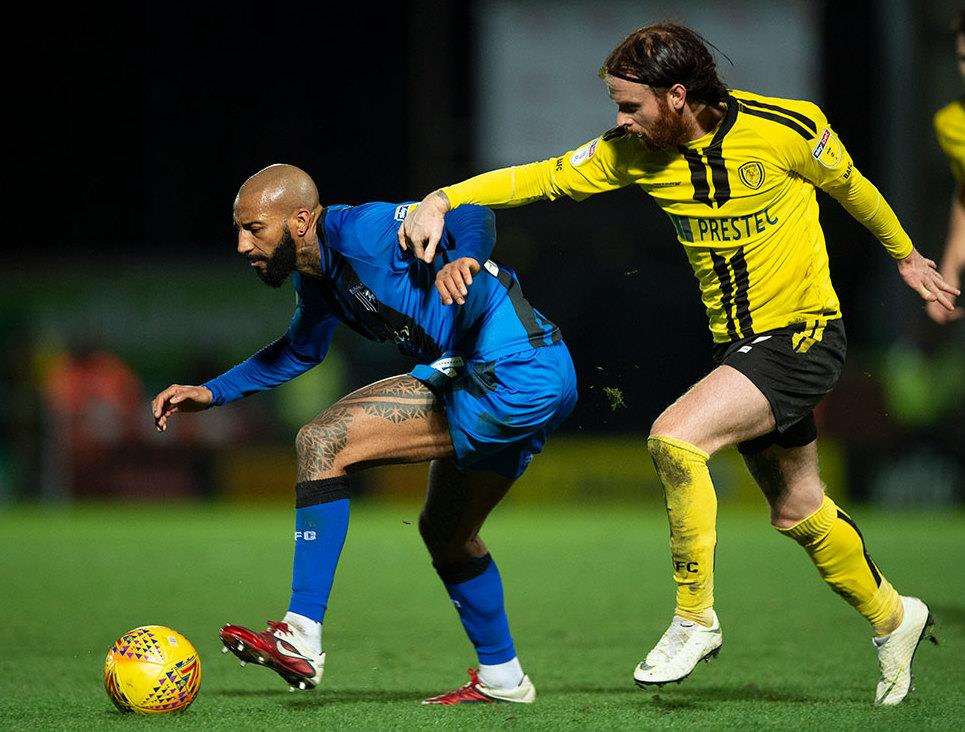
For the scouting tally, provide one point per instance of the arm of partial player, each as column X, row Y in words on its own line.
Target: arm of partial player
column 304, row 346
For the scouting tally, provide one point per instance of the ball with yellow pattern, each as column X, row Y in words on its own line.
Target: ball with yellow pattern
column 152, row 670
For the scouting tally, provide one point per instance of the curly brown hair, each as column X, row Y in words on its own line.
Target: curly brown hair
column 665, row 54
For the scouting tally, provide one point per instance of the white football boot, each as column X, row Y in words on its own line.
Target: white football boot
column 897, row 651
column 678, row 652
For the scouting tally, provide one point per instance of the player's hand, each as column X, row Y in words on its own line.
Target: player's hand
column 940, row 315
column 422, row 228
column 454, row 279
column 921, row 275
column 178, row 398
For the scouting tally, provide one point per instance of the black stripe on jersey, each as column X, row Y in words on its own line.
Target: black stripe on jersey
column 720, row 269
column 871, row 565
column 382, row 324
column 742, row 284
column 804, row 120
column 789, row 123
column 698, row 176
column 715, row 160
column 528, row 316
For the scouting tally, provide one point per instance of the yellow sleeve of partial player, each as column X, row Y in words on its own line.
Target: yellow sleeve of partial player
column 825, row 161
column 592, row 168
column 949, row 124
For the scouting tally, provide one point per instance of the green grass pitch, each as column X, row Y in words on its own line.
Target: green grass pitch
column 588, row 591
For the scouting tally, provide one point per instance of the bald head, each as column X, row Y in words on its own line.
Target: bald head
column 276, row 213
column 280, row 189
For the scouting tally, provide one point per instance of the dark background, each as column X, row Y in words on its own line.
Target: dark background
column 135, row 125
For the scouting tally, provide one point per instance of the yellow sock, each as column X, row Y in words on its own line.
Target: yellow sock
column 837, row 549
column 692, row 511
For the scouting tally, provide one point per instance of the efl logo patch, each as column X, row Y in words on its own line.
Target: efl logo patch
column 402, row 211
column 751, row 175
column 584, row 153
column 828, row 150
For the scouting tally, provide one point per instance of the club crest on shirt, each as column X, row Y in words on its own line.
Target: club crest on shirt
column 584, row 153
column 751, row 174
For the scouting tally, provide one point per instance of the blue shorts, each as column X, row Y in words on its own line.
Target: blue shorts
column 500, row 412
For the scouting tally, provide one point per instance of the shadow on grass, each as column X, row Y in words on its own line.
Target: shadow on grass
column 747, row 692
column 675, row 695
column 321, row 698
column 249, row 692
column 950, row 615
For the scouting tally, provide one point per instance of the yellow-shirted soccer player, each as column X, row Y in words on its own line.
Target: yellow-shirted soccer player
column 736, row 172
column 950, row 131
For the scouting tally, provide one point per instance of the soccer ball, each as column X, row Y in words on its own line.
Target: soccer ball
column 152, row 670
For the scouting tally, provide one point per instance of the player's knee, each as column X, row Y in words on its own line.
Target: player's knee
column 671, row 469
column 661, row 425
column 444, row 544
column 319, row 447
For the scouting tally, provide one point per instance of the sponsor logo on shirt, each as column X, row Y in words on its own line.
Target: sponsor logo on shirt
column 733, row 228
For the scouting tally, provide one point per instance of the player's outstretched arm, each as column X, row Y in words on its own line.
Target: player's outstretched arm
column 179, row 398
column 597, row 166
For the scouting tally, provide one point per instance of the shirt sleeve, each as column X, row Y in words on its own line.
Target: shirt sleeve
column 304, row 346
column 471, row 232
column 597, row 166
column 953, row 151
column 823, row 160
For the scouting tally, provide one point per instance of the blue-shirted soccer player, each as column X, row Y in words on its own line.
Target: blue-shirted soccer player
column 494, row 379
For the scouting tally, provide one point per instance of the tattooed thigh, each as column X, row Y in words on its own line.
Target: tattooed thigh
column 393, row 420
column 397, row 399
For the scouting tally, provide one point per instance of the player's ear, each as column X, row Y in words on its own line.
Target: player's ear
column 300, row 222
column 677, row 97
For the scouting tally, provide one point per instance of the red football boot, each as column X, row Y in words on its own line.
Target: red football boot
column 278, row 648
column 476, row 692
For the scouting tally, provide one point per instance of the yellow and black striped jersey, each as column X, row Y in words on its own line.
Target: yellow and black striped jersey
column 950, row 131
column 742, row 202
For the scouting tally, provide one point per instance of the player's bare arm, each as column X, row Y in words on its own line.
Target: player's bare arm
column 454, row 279
column 178, row 398
column 953, row 260
column 422, row 228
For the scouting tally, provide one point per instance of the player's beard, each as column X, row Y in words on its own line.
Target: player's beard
column 281, row 263
column 668, row 131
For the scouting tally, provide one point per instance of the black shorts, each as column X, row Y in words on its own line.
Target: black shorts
column 794, row 370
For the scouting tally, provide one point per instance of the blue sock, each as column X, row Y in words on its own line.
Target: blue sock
column 321, row 523
column 476, row 590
